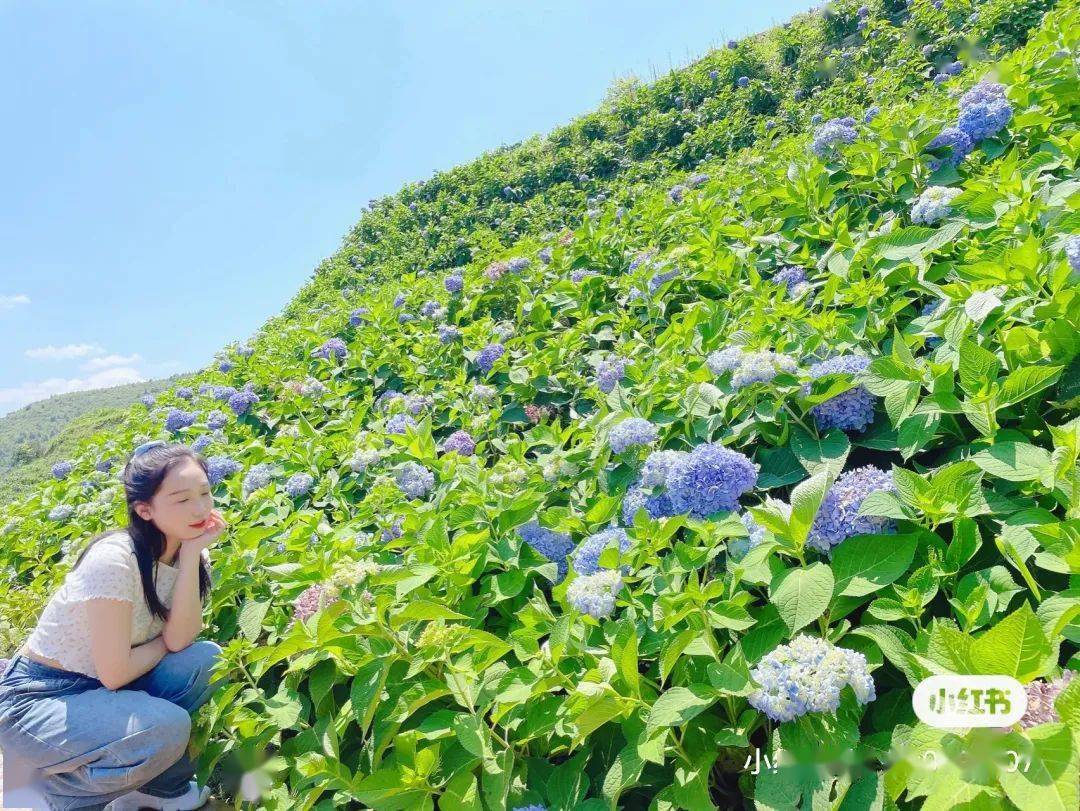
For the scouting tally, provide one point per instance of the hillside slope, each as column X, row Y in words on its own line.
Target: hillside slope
column 555, row 529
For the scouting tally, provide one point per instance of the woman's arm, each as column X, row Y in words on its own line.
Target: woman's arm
column 116, row 661
column 185, row 613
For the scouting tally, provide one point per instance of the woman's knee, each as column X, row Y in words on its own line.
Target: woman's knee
column 141, row 756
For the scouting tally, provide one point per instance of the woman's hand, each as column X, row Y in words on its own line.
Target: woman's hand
column 214, row 527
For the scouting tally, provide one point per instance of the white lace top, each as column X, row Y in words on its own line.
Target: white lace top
column 108, row 570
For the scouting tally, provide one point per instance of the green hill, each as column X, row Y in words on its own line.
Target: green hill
column 690, row 462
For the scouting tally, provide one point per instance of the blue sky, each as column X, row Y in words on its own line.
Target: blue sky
column 175, row 170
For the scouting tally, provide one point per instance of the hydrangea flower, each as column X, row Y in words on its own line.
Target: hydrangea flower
column 61, row 469
column 544, row 255
column 738, row 547
column 710, row 479
column 838, row 516
column 216, row 420
column 394, row 531
column 984, row 110
column 356, row 317
column 1072, row 253
column 851, row 410
column 448, row 334
column 242, row 401
column 398, row 423
column 609, row 373
column 534, row 807
column 225, row 366
column 807, row 675
column 958, row 143
column 221, row 467
column 102, row 466
column 743, row 81
column 312, row 600
column 724, row 360
column 200, row 444
column 816, row 119
column 405, row 318
column 223, row 393
column 656, row 281
column 833, row 132
column 518, row 263
column 696, row 180
column 595, row 594
column 185, row 393
column 630, row 433
column 148, row 400
column 862, row 12
column 732, row 44
column 428, row 308
column 416, row 403
column 554, row 546
column 487, row 356
column 256, row 478
column 640, row 259
column 245, row 351
column 460, row 442
column 178, row 419
column 761, row 367
column 332, row 347
column 362, row 459
column 585, row 558
column 535, row 412
column 415, row 480
column 871, row 113
column 399, row 300
column 496, row 270
column 794, row 280
column 676, row 193
column 933, row 204
column 953, row 68
column 61, row 512
column 1041, row 696
column 299, row 484
column 577, row 275
column 454, row 283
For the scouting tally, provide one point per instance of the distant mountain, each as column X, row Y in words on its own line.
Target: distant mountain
column 44, row 432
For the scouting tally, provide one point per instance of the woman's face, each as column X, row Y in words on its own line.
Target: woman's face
column 183, row 500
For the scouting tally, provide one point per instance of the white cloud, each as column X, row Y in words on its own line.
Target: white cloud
column 15, row 397
column 11, row 302
column 109, row 361
column 66, row 352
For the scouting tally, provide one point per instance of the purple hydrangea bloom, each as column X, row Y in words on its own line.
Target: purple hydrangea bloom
column 460, row 442
column 928, row 51
column 415, row 480
column 833, row 132
column 725, row 360
column 555, row 546
column 696, row 180
column 941, row 78
column 544, row 255
column 676, row 193
column 984, row 110
column 660, row 278
column 761, row 367
column 185, row 393
column 148, row 400
column 394, row 531
column 732, row 44
column 657, row 503
column 794, row 280
column 933, row 204
column 519, row 263
column 448, row 334
column 61, row 512
column 838, row 516
column 630, row 433
column 242, row 401
column 534, row 807
column 356, row 317
column 178, row 419
column 216, row 420
column 1072, row 253
column 595, row 594
column 609, row 373
column 743, row 81
column 61, row 470
column 256, row 478
column 103, row 466
column 416, row 403
column 863, row 11
column 585, row 558
column 310, row 601
column 454, row 283
column 399, row 300
column 225, row 366
column 398, row 423
column 334, row 346
column 428, row 308
column 299, row 484
column 245, row 351
column 710, row 479
column 223, row 393
column 860, row 25
column 957, row 141
column 200, row 444
column 487, row 356
column 953, row 68
column 871, row 113
column 221, row 467
column 851, row 410
column 641, row 258
column 577, row 275
column 807, row 675
column 1041, row 696
column 387, row 397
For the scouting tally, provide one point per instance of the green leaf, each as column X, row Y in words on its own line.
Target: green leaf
column 821, row 453
column 866, row 563
column 1016, row 646
column 1029, row 380
column 978, row 367
column 805, row 500
column 1048, row 778
column 679, row 704
column 802, row 595
column 1014, row 461
column 251, row 617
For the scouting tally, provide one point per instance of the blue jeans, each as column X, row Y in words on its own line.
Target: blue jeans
column 92, row 744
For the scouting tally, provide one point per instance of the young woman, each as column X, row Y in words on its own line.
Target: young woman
column 98, row 699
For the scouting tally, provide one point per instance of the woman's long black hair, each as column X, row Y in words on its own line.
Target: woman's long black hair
column 143, row 475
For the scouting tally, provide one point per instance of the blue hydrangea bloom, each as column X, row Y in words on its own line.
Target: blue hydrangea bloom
column 1072, row 253
column 732, row 44
column 394, row 531
column 256, row 478
column 710, row 479
column 871, row 113
column 206, row 388
column 755, row 534
column 242, row 401
column 928, row 51
column 586, row 556
column 416, row 403
column 333, row 347
column 676, row 193
column 148, row 400
column 554, row 546
column 761, row 367
column 696, row 180
column 216, row 420
column 185, row 393
column 61, row 512
column 178, row 419
column 103, row 466
column 862, row 12
column 577, row 275
column 595, row 594
column 398, row 423
column 656, row 281
column 225, row 366
column 851, row 410
column 454, row 283
column 415, row 480
column 794, row 280
column 545, row 255
column 816, row 119
column 61, row 470
column 245, row 351
column 223, row 393
column 460, row 442
column 399, row 300
column 299, row 484
column 807, row 675
column 725, row 360
column 630, row 433
column 641, row 258
column 387, row 397
column 933, row 204
column 609, row 373
column 984, row 110
column 743, row 81
column 221, row 467
column 428, row 308
column 448, row 334
column 519, row 263
column 833, row 132
column 953, row 68
column 657, row 503
column 487, row 356
column 531, row 808
column 838, row 516
column 957, row 141
column 356, row 317
column 200, row 444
